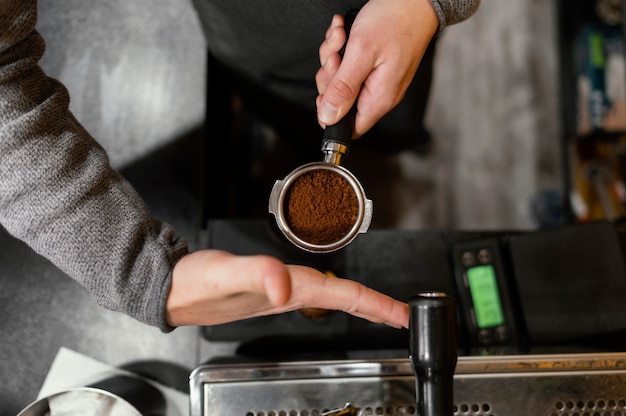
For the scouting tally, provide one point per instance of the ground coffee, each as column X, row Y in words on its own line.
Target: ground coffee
column 321, row 207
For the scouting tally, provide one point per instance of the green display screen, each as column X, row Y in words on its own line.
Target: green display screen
column 485, row 296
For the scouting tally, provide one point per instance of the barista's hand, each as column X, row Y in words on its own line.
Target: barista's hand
column 212, row 287
column 387, row 41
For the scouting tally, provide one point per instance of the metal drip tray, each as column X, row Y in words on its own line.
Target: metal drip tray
column 551, row 385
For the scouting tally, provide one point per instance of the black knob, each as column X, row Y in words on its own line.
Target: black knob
column 433, row 351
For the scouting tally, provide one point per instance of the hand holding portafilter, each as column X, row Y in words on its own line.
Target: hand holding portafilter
column 433, row 351
column 335, row 144
column 337, row 137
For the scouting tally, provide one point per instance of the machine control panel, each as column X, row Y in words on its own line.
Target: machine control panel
column 485, row 297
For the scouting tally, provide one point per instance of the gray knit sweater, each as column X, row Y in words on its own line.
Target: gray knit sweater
column 59, row 194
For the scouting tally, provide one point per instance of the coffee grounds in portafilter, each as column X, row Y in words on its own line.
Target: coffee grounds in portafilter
column 321, row 207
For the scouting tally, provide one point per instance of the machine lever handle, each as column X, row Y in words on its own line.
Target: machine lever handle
column 433, row 351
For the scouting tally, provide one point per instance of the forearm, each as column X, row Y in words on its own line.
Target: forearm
column 59, row 194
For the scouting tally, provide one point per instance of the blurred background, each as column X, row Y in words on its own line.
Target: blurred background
column 136, row 72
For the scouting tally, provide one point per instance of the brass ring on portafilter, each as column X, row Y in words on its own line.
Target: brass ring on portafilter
column 335, row 145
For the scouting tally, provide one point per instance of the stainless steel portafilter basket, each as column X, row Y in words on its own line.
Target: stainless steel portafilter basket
column 277, row 207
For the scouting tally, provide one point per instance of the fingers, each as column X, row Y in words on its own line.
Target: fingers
column 348, row 296
column 339, row 79
column 359, row 77
column 294, row 287
column 329, row 53
column 212, row 287
column 336, row 22
column 383, row 51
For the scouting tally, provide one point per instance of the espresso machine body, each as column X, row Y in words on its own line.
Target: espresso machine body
column 518, row 292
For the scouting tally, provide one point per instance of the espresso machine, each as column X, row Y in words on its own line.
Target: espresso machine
column 538, row 328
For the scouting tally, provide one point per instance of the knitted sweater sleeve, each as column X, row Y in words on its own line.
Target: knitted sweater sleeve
column 59, row 194
column 454, row 11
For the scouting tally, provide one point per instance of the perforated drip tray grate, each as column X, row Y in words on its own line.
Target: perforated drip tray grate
column 551, row 385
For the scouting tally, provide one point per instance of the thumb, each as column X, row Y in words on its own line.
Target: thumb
column 263, row 275
column 277, row 287
column 259, row 274
column 343, row 88
column 336, row 101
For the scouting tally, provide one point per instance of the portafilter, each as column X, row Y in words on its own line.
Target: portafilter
column 335, row 145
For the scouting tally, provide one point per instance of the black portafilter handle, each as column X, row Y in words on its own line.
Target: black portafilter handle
column 337, row 137
column 433, row 351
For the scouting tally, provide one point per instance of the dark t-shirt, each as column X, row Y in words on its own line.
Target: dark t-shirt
column 276, row 42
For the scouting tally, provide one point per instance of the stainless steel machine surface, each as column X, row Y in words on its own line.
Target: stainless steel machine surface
column 548, row 384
